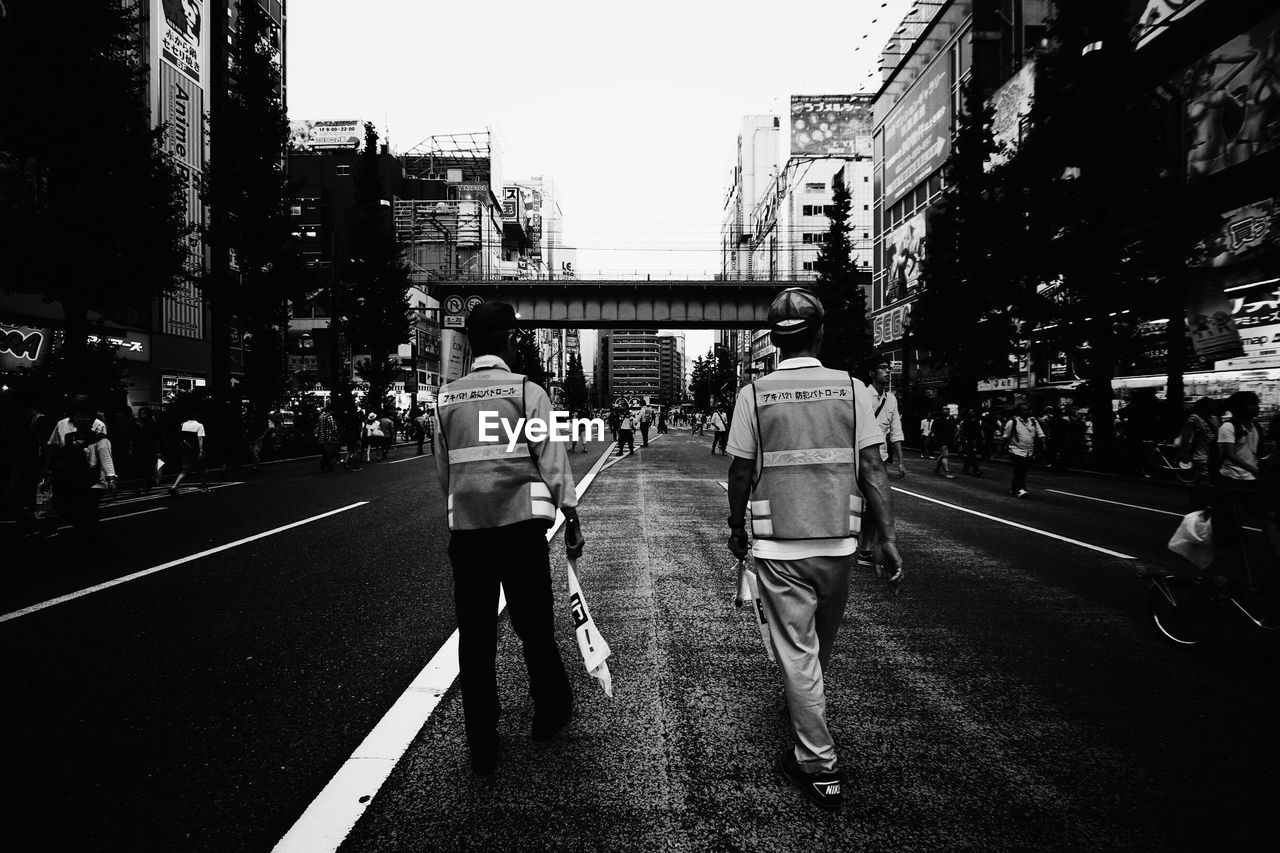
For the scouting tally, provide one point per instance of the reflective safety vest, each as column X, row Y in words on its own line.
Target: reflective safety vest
column 489, row 487
column 807, row 487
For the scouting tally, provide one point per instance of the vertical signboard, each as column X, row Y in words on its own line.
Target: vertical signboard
column 917, row 133
column 180, row 68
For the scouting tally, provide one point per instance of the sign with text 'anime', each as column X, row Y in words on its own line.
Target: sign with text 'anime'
column 831, row 125
column 917, row 133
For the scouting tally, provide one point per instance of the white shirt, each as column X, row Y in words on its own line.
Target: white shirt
column 889, row 419
column 744, row 442
column 64, row 428
column 1246, row 448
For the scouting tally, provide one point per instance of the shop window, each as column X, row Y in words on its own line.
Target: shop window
column 815, row 187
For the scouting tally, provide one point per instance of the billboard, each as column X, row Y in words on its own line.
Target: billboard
column 1233, row 101
column 179, row 74
column 23, row 347
column 343, row 134
column 512, row 206
column 1156, row 16
column 831, row 125
column 917, row 133
column 904, row 252
column 1241, row 235
column 1011, row 107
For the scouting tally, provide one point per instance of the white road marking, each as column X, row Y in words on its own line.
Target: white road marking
column 118, row 517
column 1025, row 527
column 62, row 599
column 410, row 459
column 163, row 494
column 334, row 812
column 1133, row 506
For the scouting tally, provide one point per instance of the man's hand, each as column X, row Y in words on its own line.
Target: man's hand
column 574, row 541
column 111, row 487
column 902, row 470
column 889, row 566
column 739, row 545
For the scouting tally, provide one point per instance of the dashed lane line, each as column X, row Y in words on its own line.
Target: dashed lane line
column 1009, row 523
column 331, row 816
column 63, row 599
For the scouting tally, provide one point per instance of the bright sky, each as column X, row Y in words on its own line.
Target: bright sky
column 633, row 108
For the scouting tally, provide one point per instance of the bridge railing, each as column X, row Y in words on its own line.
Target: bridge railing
column 625, row 275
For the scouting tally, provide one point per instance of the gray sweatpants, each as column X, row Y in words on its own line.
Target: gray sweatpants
column 804, row 601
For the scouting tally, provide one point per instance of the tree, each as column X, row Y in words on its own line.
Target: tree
column 246, row 187
column 575, row 384
column 135, row 248
column 376, row 278
column 963, row 313
column 529, row 361
column 844, row 341
column 700, row 383
column 714, row 378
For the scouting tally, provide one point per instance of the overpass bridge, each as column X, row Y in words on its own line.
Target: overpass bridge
column 617, row 303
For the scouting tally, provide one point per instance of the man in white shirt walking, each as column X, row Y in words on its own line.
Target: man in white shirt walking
column 885, row 409
column 1020, row 437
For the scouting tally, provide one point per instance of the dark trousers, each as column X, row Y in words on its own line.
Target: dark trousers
column 627, row 437
column 971, row 459
column 1021, row 464
column 644, row 435
column 720, row 440
column 515, row 556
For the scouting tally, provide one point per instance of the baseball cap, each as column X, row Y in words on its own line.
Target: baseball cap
column 795, row 309
column 491, row 317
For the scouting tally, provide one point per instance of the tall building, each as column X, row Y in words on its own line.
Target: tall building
column 671, row 373
column 758, row 163
column 628, row 364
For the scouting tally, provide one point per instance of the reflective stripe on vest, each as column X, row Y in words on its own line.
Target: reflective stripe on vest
column 807, row 488
column 489, row 486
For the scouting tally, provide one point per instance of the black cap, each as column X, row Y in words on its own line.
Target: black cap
column 795, row 309
column 491, row 317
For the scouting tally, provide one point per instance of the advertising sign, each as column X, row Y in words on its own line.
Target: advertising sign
column 1231, row 101
column 23, row 346
column 344, row 134
column 889, row 326
column 1239, row 236
column 1012, row 107
column 183, row 37
column 1157, row 16
column 831, row 125
column 1210, row 325
column 917, row 133
column 904, row 252
column 510, row 204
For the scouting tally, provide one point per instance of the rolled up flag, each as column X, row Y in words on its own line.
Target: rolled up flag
column 595, row 651
column 749, row 590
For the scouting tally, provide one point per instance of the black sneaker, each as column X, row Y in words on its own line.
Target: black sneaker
column 822, row 788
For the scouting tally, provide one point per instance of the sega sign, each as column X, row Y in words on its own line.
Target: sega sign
column 889, row 326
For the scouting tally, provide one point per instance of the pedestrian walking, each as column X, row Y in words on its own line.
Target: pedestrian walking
column 944, row 440
column 389, row 433
column 146, row 448
column 350, row 426
column 191, row 437
column 626, row 431
column 926, row 436
column 971, row 442
column 80, row 470
column 889, row 419
column 1197, row 442
column 371, row 437
column 574, row 439
column 615, row 421
column 719, row 431
column 662, row 421
column 806, row 465
column 500, row 505
column 328, row 437
column 1022, row 436
column 646, row 420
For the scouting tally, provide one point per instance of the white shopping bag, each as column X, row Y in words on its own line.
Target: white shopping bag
column 749, row 592
column 1194, row 539
column 159, row 466
column 595, row 651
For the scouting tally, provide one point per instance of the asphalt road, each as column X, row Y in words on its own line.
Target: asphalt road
column 1014, row 695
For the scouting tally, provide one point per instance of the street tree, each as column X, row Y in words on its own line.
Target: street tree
column 256, row 267
column 844, row 341
column 575, row 384
column 529, row 360
column 969, row 276
column 110, row 264
column 376, row 277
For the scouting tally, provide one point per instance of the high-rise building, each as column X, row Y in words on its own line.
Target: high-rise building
column 628, row 364
column 671, row 368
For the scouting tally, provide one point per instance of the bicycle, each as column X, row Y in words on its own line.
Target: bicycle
column 1158, row 458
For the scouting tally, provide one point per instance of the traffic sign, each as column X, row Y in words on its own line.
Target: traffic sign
column 453, row 305
column 473, row 302
column 455, row 321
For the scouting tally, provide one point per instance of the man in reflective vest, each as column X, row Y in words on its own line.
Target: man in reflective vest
column 500, row 504
column 806, row 453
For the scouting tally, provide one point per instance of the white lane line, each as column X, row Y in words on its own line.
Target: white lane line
column 163, row 493
column 1133, row 506
column 411, row 458
column 334, row 812
column 62, row 599
column 118, row 517
column 999, row 520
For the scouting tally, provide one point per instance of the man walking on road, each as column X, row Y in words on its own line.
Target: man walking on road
column 500, row 504
column 719, row 432
column 1021, row 435
column 626, row 431
column 888, row 418
column 646, row 419
column 806, row 450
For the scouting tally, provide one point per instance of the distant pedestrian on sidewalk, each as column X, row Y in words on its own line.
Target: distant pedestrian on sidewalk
column 191, row 445
column 944, row 441
column 719, row 431
column 371, row 437
column 1022, row 436
column 81, row 470
column 662, row 421
column 626, row 432
column 500, row 505
column 329, row 439
column 805, row 516
column 646, row 420
column 389, row 433
column 971, row 442
column 888, row 418
column 926, row 436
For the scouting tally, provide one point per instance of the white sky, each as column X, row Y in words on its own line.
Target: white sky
column 633, row 108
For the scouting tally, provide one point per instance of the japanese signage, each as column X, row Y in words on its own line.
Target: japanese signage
column 1011, row 105
column 130, row 345
column 183, row 37
column 1210, row 325
column 831, row 125
column 1231, row 98
column 917, row 133
column 903, row 253
column 23, row 346
column 1002, row 383
column 888, row 326
column 511, row 206
column 1239, row 236
column 326, row 135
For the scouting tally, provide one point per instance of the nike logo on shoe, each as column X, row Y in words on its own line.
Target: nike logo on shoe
column 827, row 789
